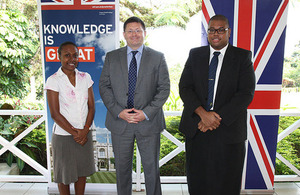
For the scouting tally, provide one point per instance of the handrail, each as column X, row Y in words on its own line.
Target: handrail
column 10, row 145
column 138, row 178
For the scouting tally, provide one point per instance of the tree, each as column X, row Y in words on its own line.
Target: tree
column 18, row 45
column 292, row 68
column 160, row 13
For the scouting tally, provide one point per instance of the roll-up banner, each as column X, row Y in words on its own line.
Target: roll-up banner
column 93, row 26
column 259, row 26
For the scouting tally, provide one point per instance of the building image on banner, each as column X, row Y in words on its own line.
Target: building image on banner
column 259, row 26
column 91, row 24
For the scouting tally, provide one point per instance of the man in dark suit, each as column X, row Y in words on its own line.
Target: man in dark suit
column 134, row 85
column 214, row 119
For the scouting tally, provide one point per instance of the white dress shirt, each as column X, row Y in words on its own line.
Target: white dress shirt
column 220, row 62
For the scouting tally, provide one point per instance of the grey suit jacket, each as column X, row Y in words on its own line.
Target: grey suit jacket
column 152, row 90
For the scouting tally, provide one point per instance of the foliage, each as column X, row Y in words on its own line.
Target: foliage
column 176, row 166
column 289, row 147
column 33, row 144
column 161, row 13
column 172, row 16
column 292, row 69
column 174, row 103
column 17, row 46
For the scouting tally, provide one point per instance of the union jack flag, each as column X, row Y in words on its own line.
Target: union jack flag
column 61, row 2
column 258, row 26
column 77, row 4
column 92, row 2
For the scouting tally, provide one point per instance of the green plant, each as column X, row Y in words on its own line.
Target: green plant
column 34, row 144
column 173, row 102
column 289, row 147
column 176, row 166
column 18, row 44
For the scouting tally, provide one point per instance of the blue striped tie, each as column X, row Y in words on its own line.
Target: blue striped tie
column 211, row 80
column 132, row 75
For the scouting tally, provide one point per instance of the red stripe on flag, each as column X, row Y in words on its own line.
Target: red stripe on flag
column 78, row 6
column 262, row 150
column 244, row 24
column 266, row 100
column 271, row 32
column 205, row 13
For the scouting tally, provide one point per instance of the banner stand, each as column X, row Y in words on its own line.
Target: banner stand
column 258, row 26
column 93, row 26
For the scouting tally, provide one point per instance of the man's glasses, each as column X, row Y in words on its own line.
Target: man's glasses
column 219, row 31
column 132, row 31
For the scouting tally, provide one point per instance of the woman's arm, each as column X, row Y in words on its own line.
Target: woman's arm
column 53, row 102
column 91, row 113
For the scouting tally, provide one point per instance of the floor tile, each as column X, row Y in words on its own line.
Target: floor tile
column 287, row 189
column 143, row 192
column 38, row 189
column 185, row 190
column 171, row 189
column 1, row 184
column 15, row 188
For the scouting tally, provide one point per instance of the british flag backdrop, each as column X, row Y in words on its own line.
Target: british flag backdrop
column 259, row 26
column 71, row 2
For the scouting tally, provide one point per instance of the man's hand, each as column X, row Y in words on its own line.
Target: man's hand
column 209, row 120
column 128, row 115
column 139, row 115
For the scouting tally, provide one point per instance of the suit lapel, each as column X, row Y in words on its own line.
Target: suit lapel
column 143, row 65
column 227, row 62
column 204, row 66
column 123, row 63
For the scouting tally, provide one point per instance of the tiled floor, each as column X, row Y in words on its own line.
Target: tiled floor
column 168, row 189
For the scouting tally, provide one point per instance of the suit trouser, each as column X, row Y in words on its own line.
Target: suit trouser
column 149, row 147
column 213, row 167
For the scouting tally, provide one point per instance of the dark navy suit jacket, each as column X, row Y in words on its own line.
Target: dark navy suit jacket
column 234, row 93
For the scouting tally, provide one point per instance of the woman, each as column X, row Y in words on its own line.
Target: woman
column 72, row 107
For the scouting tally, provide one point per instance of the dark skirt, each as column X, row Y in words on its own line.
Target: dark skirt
column 71, row 160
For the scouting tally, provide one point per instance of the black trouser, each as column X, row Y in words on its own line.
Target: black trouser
column 214, row 168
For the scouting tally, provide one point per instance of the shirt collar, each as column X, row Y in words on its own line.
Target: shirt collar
column 223, row 50
column 140, row 50
column 61, row 73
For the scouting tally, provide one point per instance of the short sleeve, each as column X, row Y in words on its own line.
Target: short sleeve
column 52, row 84
column 90, row 82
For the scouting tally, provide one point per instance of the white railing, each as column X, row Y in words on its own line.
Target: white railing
column 138, row 177
column 10, row 146
column 280, row 137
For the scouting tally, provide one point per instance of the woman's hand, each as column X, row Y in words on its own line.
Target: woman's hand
column 80, row 136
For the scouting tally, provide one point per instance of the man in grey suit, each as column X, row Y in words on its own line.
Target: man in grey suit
column 134, row 85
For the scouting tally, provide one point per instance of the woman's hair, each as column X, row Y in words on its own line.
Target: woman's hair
column 64, row 44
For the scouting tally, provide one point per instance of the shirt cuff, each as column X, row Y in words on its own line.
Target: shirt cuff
column 146, row 116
